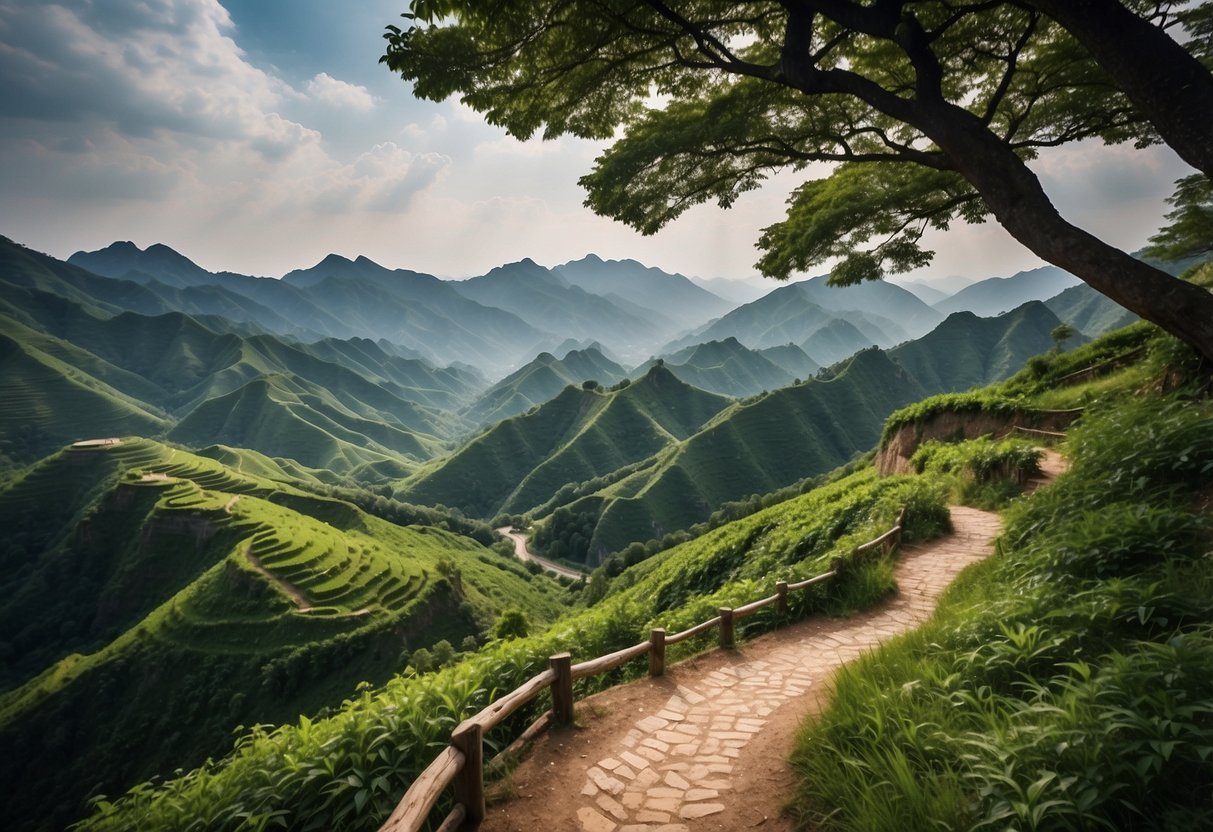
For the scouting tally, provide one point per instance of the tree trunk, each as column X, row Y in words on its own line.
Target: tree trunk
column 1164, row 81
column 1015, row 196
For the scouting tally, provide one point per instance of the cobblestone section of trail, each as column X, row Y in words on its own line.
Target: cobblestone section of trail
column 677, row 766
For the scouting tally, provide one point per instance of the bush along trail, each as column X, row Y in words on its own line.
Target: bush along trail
column 704, row 747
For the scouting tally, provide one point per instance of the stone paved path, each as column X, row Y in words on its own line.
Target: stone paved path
column 677, row 766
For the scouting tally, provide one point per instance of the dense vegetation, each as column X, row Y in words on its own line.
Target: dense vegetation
column 349, row 770
column 1065, row 683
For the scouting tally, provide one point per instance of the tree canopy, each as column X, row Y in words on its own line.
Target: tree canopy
column 930, row 110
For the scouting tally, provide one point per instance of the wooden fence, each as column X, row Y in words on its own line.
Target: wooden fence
column 462, row 762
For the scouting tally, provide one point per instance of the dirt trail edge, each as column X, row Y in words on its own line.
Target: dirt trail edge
column 705, row 747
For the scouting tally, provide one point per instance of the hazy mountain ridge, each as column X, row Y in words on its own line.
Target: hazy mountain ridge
column 496, row 321
column 996, row 295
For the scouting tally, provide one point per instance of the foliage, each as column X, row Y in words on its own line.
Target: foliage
column 1191, row 221
column 512, row 623
column 1065, row 683
column 981, row 472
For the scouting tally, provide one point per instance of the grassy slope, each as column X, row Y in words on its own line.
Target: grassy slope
column 141, row 630
column 965, row 351
column 348, row 771
column 1065, row 683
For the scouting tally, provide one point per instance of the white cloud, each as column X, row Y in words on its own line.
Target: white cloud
column 328, row 90
column 146, row 120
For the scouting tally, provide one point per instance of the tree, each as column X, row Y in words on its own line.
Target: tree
column 513, row 623
column 1060, row 334
column 422, row 660
column 443, row 653
column 931, row 111
column 1166, row 83
column 1191, row 230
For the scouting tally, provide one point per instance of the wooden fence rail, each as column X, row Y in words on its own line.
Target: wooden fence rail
column 461, row 764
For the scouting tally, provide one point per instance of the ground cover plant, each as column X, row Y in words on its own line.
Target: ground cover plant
column 348, row 771
column 1066, row 683
column 981, row 472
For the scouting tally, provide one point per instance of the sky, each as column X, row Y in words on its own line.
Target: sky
column 258, row 136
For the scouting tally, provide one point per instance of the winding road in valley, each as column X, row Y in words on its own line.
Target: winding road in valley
column 524, row 554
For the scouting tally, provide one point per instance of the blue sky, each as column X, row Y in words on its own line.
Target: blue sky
column 260, row 135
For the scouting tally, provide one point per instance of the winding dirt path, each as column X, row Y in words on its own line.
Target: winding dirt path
column 524, row 554
column 302, row 602
column 705, row 747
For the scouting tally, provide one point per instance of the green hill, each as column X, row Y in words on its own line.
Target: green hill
column 967, row 351
column 835, row 341
column 792, row 359
column 155, row 599
column 539, row 381
column 753, row 447
column 46, row 402
column 774, row 440
column 579, row 434
column 1089, row 312
column 284, row 416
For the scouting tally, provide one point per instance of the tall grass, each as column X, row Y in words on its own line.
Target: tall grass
column 1067, row 683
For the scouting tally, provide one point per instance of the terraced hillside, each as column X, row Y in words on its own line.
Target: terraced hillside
column 155, row 599
column 394, row 731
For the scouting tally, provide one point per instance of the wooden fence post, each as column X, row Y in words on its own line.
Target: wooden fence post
column 781, row 602
column 468, row 737
column 657, row 652
column 726, row 626
column 562, row 688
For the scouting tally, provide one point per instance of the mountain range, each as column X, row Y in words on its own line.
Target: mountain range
column 371, row 411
